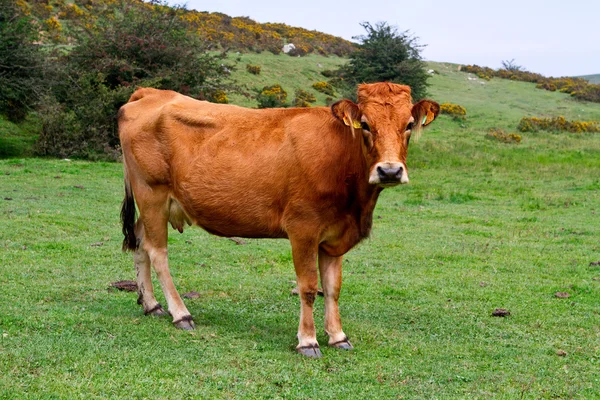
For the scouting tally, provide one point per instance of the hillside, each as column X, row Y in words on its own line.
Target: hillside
column 592, row 78
column 58, row 18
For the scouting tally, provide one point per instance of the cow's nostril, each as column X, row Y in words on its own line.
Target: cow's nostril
column 389, row 173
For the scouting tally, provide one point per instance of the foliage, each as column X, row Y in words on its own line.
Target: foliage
column 502, row 136
column 303, row 98
column 20, row 61
column 384, row 54
column 579, row 88
column 453, row 110
column 253, row 69
column 144, row 44
column 272, row 96
column 323, row 87
column 557, row 124
column 511, row 66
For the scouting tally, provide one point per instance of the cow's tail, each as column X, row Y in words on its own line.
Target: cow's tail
column 128, row 214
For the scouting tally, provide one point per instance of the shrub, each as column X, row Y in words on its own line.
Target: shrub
column 21, row 81
column 557, row 124
column 502, row 136
column 453, row 110
column 218, row 96
column 384, row 54
column 328, row 73
column 303, row 98
column 145, row 44
column 271, row 97
column 253, row 69
column 576, row 87
column 323, row 87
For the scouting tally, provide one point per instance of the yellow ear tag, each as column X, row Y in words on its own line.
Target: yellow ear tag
column 356, row 124
column 346, row 121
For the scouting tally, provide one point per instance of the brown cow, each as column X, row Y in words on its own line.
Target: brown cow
column 312, row 175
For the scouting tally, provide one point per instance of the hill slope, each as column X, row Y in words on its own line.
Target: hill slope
column 591, row 78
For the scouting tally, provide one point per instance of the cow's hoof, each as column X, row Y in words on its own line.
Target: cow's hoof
column 186, row 323
column 343, row 344
column 156, row 311
column 311, row 351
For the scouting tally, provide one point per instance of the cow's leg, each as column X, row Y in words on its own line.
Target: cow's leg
column 330, row 269
column 304, row 254
column 143, row 276
column 154, row 214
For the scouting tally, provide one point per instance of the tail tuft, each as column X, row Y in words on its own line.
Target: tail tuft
column 128, row 216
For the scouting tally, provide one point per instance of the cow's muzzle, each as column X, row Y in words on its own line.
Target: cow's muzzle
column 388, row 174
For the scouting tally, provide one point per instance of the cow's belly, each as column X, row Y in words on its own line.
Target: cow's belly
column 231, row 206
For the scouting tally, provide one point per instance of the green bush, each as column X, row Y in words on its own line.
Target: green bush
column 143, row 45
column 21, row 62
column 271, row 97
column 501, row 136
column 324, row 88
column 384, row 54
column 303, row 98
column 253, row 69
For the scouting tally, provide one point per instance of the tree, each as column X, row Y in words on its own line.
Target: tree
column 510, row 65
column 384, row 54
column 131, row 44
column 20, row 61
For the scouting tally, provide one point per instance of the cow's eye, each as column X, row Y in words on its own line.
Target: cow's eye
column 409, row 126
column 365, row 126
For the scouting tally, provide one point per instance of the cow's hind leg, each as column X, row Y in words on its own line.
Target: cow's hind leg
column 331, row 280
column 305, row 263
column 153, row 207
column 143, row 276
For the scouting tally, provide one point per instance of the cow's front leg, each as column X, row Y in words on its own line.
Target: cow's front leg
column 331, row 281
column 304, row 254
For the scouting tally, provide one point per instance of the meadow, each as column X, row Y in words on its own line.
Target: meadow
column 482, row 225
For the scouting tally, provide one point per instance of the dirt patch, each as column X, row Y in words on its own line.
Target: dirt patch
column 595, row 264
column 97, row 244
column 127, row 286
column 191, row 295
column 500, row 312
column 562, row 295
column 238, row 241
column 561, row 353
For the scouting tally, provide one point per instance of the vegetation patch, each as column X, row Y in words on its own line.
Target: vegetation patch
column 323, row 87
column 303, row 98
column 502, row 136
column 557, row 124
column 579, row 88
column 272, row 96
column 253, row 69
column 453, row 110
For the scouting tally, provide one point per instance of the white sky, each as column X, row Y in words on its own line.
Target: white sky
column 552, row 37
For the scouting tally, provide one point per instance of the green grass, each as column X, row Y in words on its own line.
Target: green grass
column 16, row 140
column 482, row 225
column 290, row 72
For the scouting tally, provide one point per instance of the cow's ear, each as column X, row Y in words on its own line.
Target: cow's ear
column 424, row 112
column 348, row 113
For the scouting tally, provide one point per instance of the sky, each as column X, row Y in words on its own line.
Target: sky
column 554, row 38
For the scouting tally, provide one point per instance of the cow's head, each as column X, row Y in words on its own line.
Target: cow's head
column 386, row 119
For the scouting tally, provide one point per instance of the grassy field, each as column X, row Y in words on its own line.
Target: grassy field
column 483, row 225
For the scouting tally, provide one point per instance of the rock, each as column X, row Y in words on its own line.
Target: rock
column 288, row 47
